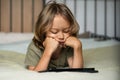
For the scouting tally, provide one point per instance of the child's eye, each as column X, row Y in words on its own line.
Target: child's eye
column 54, row 31
column 66, row 31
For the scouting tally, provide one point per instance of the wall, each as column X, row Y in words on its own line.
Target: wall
column 97, row 16
column 19, row 15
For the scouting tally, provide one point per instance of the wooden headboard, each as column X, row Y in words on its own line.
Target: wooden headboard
column 19, row 15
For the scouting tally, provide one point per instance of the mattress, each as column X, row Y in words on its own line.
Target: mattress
column 102, row 55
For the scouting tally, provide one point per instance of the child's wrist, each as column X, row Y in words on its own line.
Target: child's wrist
column 77, row 46
column 48, row 52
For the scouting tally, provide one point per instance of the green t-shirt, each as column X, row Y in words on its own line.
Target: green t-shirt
column 34, row 54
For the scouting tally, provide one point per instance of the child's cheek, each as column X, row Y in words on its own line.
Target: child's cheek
column 51, row 35
column 66, row 36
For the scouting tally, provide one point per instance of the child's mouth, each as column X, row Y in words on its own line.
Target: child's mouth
column 62, row 44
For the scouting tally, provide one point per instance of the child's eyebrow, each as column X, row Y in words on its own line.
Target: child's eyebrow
column 53, row 28
column 67, row 28
column 63, row 28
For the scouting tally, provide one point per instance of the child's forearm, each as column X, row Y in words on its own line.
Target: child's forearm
column 44, row 61
column 77, row 61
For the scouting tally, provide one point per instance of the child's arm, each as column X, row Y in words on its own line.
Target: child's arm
column 50, row 45
column 44, row 61
column 76, row 61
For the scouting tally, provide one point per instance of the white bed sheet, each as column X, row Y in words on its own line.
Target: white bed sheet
column 18, row 42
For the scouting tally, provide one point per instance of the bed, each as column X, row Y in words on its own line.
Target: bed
column 101, row 55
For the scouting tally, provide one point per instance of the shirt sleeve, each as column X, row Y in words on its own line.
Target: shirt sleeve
column 33, row 55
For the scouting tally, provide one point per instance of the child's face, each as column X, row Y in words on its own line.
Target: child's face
column 60, row 29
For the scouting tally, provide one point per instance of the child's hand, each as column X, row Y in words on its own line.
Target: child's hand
column 50, row 44
column 73, row 42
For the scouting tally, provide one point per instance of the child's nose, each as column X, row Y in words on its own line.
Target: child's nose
column 61, row 36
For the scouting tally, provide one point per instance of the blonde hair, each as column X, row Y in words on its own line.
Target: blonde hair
column 45, row 21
